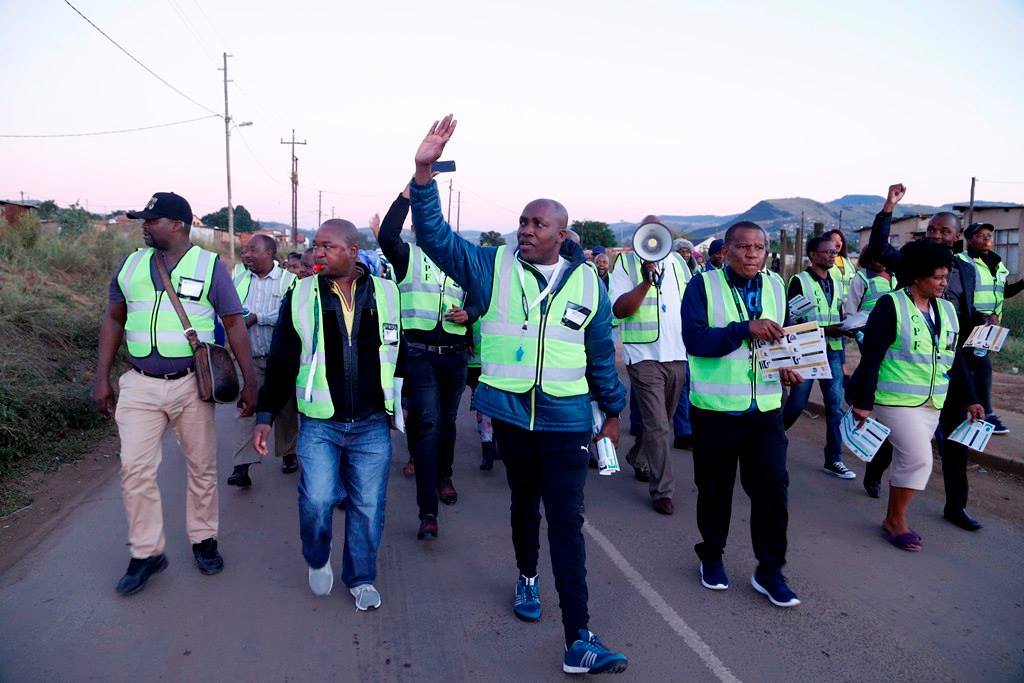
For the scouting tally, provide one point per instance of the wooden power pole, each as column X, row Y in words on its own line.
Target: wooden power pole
column 458, row 210
column 227, row 158
column 319, row 207
column 970, row 209
column 295, row 187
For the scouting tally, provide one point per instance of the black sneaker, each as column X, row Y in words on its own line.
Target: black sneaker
column 428, row 528
column 487, row 455
column 712, row 575
column 839, row 470
column 208, row 559
column 773, row 586
column 999, row 427
column 138, row 573
column 446, row 492
column 289, row 464
column 240, row 477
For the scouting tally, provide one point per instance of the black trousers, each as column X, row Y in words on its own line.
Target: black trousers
column 953, row 454
column 757, row 443
column 549, row 467
column 434, row 384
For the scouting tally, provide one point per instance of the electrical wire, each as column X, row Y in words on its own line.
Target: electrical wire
column 257, row 159
column 136, row 60
column 200, row 41
column 113, row 132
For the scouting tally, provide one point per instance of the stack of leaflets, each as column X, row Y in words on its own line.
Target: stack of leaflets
column 974, row 435
column 802, row 349
column 863, row 441
column 988, row 337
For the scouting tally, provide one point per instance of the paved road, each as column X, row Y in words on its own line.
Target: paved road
column 870, row 612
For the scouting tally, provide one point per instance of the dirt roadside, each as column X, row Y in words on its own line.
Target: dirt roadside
column 54, row 496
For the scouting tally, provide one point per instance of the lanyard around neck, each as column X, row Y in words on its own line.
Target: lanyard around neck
column 527, row 307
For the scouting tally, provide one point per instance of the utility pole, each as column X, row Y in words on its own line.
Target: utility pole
column 458, row 211
column 295, row 187
column 970, row 209
column 840, row 220
column 319, row 207
column 22, row 193
column 227, row 158
column 332, row 212
column 449, row 201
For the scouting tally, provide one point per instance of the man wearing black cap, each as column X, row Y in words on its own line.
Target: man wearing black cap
column 716, row 257
column 160, row 389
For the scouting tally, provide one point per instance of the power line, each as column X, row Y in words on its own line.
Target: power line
column 112, row 132
column 136, row 60
column 200, row 41
column 1003, row 182
column 257, row 159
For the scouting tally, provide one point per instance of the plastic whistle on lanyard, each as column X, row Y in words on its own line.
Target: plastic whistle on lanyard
column 607, row 458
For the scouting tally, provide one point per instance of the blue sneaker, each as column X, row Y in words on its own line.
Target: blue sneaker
column 527, row 603
column 712, row 575
column 773, row 585
column 588, row 655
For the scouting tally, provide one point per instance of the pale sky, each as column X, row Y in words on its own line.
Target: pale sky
column 617, row 109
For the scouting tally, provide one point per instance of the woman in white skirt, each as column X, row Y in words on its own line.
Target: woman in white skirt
column 909, row 349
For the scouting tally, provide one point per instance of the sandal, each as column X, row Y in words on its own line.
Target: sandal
column 909, row 541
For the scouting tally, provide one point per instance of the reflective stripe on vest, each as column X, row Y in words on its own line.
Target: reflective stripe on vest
column 845, row 275
column 152, row 321
column 312, row 391
column 988, row 289
column 644, row 326
column 243, row 280
column 913, row 370
column 875, row 287
column 546, row 349
column 825, row 313
column 425, row 300
column 732, row 382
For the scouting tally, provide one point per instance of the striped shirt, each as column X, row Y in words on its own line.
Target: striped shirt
column 264, row 299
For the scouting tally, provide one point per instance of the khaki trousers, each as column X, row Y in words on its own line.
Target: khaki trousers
column 145, row 406
column 286, row 427
column 657, row 386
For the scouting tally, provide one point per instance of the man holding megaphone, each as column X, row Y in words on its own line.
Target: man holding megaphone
column 647, row 287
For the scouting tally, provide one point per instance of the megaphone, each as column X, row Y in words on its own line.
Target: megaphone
column 652, row 243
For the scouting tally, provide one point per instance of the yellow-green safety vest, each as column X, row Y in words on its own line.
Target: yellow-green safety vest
column 152, row 321
column 732, row 382
column 644, row 326
column 427, row 294
column 520, row 350
column 824, row 313
column 915, row 369
column 875, row 287
column 988, row 290
column 311, row 389
column 243, row 279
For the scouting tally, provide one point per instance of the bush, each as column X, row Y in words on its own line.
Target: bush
column 52, row 294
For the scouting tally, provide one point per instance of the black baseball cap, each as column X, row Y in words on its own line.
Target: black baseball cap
column 165, row 205
column 974, row 228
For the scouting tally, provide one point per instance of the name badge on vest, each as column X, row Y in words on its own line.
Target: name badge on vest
column 390, row 332
column 189, row 288
column 575, row 316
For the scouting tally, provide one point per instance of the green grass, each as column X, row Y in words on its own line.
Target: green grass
column 52, row 294
column 1012, row 354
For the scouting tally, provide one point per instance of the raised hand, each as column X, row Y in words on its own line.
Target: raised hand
column 894, row 196
column 375, row 225
column 432, row 146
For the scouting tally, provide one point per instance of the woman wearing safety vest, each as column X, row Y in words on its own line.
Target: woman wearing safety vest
column 546, row 352
column 434, row 328
column 910, row 345
column 335, row 351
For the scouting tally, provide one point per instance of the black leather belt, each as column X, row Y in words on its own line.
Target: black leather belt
column 170, row 375
column 452, row 348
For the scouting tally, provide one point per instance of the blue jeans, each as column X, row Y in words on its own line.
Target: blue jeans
column 681, row 418
column 347, row 463
column 832, row 391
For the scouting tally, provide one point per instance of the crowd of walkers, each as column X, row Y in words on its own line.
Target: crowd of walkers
column 336, row 348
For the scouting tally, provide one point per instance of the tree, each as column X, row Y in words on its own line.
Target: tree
column 243, row 219
column 73, row 220
column 491, row 238
column 594, row 233
column 47, row 209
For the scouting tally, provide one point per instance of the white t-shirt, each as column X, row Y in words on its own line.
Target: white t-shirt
column 546, row 271
column 669, row 346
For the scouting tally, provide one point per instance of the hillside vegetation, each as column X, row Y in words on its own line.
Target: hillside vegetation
column 52, row 293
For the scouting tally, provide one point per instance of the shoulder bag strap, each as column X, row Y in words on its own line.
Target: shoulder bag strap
column 190, row 332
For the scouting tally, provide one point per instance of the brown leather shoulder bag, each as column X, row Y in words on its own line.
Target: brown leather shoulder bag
column 216, row 377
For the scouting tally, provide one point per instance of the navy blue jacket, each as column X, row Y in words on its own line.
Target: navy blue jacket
column 472, row 267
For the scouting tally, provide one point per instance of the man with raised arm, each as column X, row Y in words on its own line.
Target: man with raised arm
column 546, row 351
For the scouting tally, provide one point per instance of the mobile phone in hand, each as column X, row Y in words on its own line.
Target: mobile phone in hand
column 442, row 167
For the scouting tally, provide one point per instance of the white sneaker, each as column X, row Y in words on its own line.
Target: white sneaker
column 321, row 580
column 839, row 470
column 366, row 597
